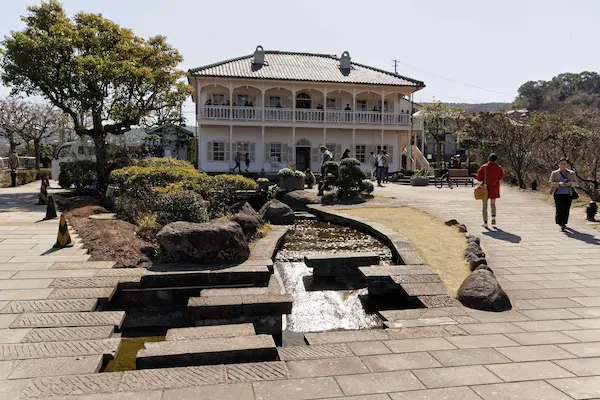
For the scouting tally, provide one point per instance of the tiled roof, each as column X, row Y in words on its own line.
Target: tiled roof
column 307, row 67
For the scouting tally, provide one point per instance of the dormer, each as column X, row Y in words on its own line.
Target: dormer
column 259, row 58
column 345, row 63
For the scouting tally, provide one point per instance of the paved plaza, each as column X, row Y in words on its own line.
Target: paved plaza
column 53, row 341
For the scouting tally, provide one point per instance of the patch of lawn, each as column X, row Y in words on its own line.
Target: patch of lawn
column 440, row 246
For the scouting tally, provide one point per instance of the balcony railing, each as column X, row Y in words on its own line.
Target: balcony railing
column 309, row 115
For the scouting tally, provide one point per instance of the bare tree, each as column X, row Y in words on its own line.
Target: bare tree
column 13, row 117
column 43, row 121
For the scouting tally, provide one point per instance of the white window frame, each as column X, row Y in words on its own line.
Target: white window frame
column 219, row 151
column 275, row 153
column 274, row 101
column 333, row 105
column 363, row 105
column 360, row 153
column 218, row 99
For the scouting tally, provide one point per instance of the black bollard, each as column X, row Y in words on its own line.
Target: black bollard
column 534, row 185
column 13, row 177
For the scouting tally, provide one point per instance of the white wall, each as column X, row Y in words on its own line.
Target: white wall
column 342, row 138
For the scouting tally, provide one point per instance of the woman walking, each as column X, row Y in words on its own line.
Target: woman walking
column 490, row 173
column 562, row 182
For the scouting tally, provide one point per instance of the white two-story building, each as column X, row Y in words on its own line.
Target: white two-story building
column 280, row 107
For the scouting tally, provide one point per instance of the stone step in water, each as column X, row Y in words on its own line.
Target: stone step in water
column 178, row 275
column 23, row 351
column 244, row 349
column 207, row 332
column 274, row 287
column 235, row 306
column 304, row 216
column 42, row 306
column 340, row 264
column 54, row 320
column 155, row 297
column 381, row 279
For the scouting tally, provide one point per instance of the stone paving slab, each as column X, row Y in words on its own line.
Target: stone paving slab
column 205, row 332
column 293, row 353
column 73, row 385
column 448, row 393
column 411, row 323
column 378, row 382
column 51, row 320
column 86, row 265
column 456, row 376
column 166, row 378
column 97, row 282
column 104, row 293
column 25, row 294
column 42, row 306
column 326, row 367
column 254, row 372
column 35, row 368
column 13, row 335
column 529, row 371
column 296, row 389
column 59, row 349
column 65, row 334
column 520, row 390
column 346, row 336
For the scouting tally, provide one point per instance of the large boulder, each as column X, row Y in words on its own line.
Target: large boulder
column 474, row 248
column 243, row 207
column 299, row 199
column 250, row 223
column 481, row 291
column 277, row 213
column 213, row 241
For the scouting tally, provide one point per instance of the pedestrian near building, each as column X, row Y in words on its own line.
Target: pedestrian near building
column 380, row 163
column 346, row 154
column 490, row 174
column 14, row 164
column 562, row 183
column 247, row 160
column 373, row 165
column 325, row 157
column 238, row 162
column 386, row 167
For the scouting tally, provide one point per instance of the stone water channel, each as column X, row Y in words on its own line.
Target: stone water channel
column 323, row 306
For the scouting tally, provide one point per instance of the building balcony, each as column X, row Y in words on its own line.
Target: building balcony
column 305, row 115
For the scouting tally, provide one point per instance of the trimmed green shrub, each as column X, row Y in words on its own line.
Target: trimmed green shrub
column 368, row 186
column 350, row 181
column 178, row 204
column 77, row 174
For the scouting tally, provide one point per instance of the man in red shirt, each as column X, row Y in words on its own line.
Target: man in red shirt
column 490, row 174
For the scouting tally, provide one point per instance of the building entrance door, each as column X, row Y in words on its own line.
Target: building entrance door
column 302, row 158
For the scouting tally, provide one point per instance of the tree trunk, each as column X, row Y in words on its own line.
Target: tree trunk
column 100, row 147
column 438, row 151
column 36, row 148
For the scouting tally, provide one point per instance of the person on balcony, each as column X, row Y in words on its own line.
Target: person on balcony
column 346, row 154
column 208, row 102
column 347, row 108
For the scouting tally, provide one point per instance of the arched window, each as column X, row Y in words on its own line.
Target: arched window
column 303, row 143
column 303, row 100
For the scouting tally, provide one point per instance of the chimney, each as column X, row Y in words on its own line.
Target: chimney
column 345, row 63
column 259, row 57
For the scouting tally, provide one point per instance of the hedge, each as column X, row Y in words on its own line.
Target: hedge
column 24, row 176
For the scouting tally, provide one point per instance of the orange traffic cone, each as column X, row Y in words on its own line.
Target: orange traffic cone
column 64, row 238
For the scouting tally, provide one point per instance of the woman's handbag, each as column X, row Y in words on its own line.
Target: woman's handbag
column 481, row 192
column 574, row 194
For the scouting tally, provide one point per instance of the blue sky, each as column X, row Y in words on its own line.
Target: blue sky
column 494, row 45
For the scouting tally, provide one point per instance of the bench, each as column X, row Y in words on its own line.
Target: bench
column 456, row 176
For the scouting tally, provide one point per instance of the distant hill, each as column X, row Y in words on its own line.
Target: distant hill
column 477, row 107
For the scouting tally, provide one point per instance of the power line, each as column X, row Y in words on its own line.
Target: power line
column 455, row 81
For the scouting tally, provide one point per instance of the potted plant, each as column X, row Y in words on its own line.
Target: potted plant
column 290, row 179
column 263, row 183
column 419, row 178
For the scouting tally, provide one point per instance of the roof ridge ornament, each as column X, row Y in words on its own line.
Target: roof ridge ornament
column 259, row 58
column 345, row 63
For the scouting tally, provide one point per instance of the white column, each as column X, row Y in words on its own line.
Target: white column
column 262, row 146
column 294, row 103
column 382, row 101
column 409, row 151
column 262, row 101
column 382, row 140
column 324, row 105
column 324, row 136
column 294, row 144
column 231, row 156
column 354, row 142
column 353, row 106
column 230, row 101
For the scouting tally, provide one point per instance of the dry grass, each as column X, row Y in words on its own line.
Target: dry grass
column 440, row 246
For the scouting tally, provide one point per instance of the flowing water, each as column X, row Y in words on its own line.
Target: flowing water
column 331, row 305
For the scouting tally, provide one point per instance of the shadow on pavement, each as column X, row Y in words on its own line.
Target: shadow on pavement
column 499, row 234
column 584, row 237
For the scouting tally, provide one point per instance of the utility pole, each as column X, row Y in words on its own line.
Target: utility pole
column 395, row 66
